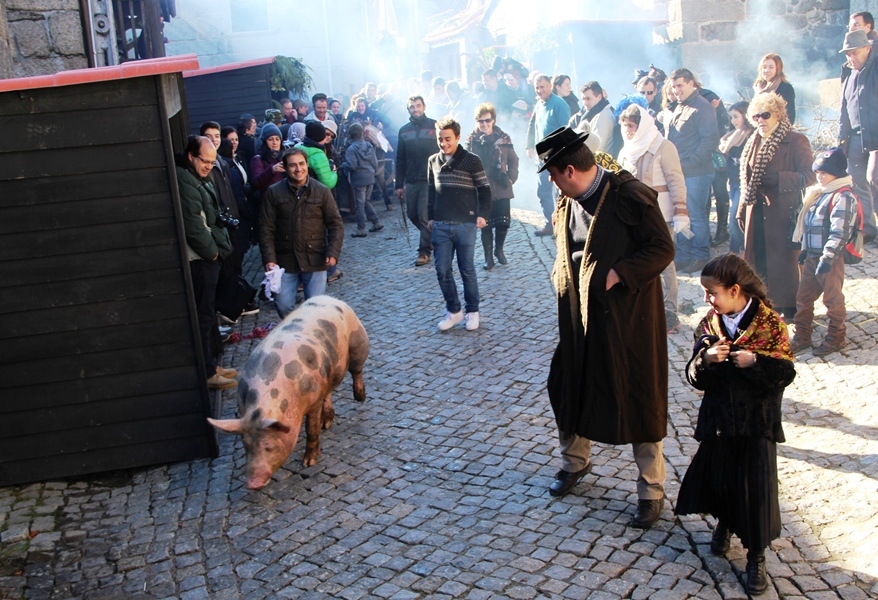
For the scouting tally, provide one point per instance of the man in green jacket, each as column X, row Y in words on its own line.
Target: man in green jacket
column 207, row 243
column 300, row 230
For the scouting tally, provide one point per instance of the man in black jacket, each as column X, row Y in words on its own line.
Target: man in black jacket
column 417, row 141
column 858, row 122
column 300, row 230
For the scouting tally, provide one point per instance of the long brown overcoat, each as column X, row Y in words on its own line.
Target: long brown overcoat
column 792, row 164
column 608, row 381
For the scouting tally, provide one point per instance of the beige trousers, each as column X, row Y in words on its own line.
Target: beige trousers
column 576, row 450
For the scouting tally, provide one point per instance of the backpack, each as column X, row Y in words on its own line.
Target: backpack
column 853, row 250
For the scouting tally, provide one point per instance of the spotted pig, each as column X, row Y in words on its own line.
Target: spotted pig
column 291, row 376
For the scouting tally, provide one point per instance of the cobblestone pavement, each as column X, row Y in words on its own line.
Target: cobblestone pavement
column 435, row 487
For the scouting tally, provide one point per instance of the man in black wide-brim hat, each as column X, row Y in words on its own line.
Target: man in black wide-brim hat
column 608, row 380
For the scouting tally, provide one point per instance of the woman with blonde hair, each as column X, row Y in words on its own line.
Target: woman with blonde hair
column 775, row 168
column 771, row 78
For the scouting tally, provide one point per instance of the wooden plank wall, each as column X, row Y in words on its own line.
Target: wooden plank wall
column 97, row 348
column 224, row 96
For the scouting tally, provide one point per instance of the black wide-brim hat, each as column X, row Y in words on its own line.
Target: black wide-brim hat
column 557, row 144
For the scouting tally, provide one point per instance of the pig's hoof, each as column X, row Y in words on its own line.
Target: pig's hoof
column 327, row 423
column 310, row 460
column 360, row 392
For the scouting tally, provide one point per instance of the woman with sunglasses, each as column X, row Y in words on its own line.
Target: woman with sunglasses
column 771, row 78
column 494, row 147
column 775, row 168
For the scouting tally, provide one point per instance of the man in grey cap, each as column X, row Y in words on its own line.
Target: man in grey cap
column 858, row 122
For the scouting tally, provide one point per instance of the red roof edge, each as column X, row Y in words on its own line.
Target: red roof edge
column 136, row 68
column 230, row 66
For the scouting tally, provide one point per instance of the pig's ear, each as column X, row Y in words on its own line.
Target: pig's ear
column 227, row 425
column 276, row 425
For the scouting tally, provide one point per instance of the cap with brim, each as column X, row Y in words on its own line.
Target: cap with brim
column 557, row 144
column 855, row 39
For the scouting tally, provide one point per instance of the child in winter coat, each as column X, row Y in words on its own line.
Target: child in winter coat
column 360, row 161
column 825, row 225
column 742, row 361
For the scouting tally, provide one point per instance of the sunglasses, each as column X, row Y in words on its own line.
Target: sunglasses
column 652, row 93
column 485, row 121
column 763, row 116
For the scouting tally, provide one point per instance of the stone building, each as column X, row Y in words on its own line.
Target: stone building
column 39, row 37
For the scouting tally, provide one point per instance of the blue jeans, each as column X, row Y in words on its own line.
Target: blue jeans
column 285, row 300
column 362, row 193
column 698, row 205
column 447, row 239
column 736, row 236
column 546, row 194
column 863, row 167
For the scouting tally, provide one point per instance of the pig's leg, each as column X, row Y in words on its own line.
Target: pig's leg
column 359, row 351
column 313, row 425
column 328, row 412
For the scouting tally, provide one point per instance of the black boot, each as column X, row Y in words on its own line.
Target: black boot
column 487, row 244
column 721, row 236
column 719, row 543
column 498, row 247
column 757, row 579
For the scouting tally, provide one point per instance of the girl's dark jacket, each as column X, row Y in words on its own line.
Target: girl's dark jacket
column 739, row 402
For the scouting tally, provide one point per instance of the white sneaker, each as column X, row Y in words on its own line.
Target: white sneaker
column 450, row 320
column 472, row 321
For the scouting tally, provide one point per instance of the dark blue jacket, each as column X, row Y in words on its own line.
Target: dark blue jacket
column 867, row 93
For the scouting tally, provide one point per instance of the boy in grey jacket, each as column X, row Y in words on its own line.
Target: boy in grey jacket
column 361, row 164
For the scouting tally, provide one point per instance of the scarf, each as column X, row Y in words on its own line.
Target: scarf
column 596, row 109
column 733, row 139
column 643, row 138
column 763, row 86
column 766, row 335
column 766, row 152
column 812, row 195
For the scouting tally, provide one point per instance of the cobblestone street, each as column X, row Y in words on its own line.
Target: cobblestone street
column 436, row 486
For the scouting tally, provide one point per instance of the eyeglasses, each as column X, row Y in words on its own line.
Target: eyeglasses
column 485, row 121
column 763, row 116
column 205, row 161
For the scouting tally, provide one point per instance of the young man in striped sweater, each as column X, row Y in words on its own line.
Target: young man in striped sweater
column 458, row 204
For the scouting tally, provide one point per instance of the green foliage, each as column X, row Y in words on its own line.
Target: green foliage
column 290, row 75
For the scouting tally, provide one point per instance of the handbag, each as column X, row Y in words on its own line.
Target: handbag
column 233, row 295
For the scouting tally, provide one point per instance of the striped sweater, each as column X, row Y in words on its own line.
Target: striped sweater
column 457, row 188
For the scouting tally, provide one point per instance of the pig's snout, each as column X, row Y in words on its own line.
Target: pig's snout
column 258, row 481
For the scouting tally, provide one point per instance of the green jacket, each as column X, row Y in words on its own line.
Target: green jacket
column 318, row 161
column 198, row 199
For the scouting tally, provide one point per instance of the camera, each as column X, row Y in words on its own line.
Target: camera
column 224, row 219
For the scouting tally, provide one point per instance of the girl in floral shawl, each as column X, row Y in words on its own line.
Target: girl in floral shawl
column 742, row 360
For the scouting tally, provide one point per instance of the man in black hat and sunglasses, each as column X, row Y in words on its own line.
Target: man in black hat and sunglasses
column 608, row 380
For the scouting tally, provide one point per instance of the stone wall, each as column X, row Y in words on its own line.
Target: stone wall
column 43, row 37
column 723, row 40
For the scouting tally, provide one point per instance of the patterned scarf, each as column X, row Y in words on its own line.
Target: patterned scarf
column 766, row 152
column 767, row 333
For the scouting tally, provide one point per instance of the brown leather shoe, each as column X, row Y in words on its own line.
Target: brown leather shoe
column 800, row 343
column 829, row 346
column 648, row 512
column 422, row 260
column 227, row 373
column 566, row 481
column 218, row 382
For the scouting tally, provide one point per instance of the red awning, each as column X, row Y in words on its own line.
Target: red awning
column 135, row 68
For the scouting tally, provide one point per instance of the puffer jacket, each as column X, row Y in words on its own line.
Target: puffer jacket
column 299, row 228
column 205, row 240
column 319, row 162
column 362, row 163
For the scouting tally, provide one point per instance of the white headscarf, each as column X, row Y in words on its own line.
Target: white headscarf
column 643, row 138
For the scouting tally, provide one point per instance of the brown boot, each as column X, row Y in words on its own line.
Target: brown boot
column 800, row 342
column 830, row 345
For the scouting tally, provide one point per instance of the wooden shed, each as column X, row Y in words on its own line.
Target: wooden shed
column 223, row 93
column 100, row 360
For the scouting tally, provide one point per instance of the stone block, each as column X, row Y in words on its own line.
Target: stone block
column 835, row 5
column 32, row 38
column 48, row 66
column 65, row 29
column 719, row 31
column 713, row 10
column 42, row 5
column 835, row 32
column 796, row 21
column 16, row 533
